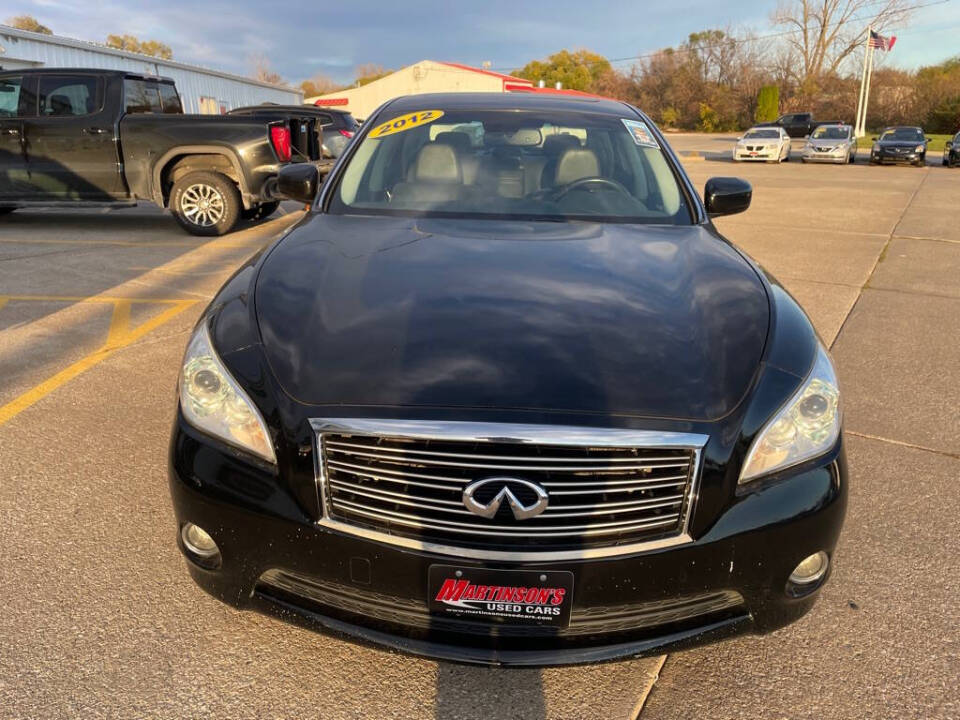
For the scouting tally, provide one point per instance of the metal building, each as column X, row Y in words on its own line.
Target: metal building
column 202, row 90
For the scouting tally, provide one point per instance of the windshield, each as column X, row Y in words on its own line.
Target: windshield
column 831, row 133
column 762, row 135
column 905, row 134
column 511, row 164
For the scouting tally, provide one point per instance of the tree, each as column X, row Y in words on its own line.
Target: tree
column 262, row 71
column 768, row 104
column 29, row 23
column 369, row 72
column 579, row 70
column 319, row 84
column 131, row 43
column 824, row 34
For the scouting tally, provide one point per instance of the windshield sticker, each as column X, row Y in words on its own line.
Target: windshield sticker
column 640, row 132
column 406, row 122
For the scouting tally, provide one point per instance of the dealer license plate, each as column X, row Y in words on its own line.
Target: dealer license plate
column 498, row 597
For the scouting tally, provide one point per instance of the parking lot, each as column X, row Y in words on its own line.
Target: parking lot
column 101, row 619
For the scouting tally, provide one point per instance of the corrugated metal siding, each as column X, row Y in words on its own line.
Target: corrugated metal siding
column 193, row 83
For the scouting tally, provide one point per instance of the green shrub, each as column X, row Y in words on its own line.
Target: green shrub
column 669, row 117
column 768, row 104
column 709, row 120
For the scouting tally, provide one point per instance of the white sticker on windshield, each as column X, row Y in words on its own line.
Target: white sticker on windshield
column 640, row 132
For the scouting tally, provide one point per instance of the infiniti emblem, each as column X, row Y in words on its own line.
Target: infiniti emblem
column 508, row 489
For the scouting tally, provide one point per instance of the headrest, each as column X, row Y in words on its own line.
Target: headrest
column 556, row 144
column 459, row 141
column 437, row 163
column 60, row 105
column 576, row 164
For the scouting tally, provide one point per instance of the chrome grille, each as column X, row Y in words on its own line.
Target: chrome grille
column 404, row 482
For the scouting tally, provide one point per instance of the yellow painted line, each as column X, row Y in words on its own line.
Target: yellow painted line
column 92, row 299
column 3, row 301
column 120, row 336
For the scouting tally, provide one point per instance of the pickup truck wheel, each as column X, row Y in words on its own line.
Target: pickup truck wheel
column 205, row 203
column 261, row 211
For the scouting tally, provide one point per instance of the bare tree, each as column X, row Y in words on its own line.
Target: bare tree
column 318, row 84
column 823, row 34
column 262, row 71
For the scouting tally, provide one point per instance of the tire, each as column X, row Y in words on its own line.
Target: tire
column 205, row 203
column 261, row 211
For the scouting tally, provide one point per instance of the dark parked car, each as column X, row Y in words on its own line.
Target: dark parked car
column 798, row 125
column 505, row 395
column 900, row 145
column 951, row 151
column 71, row 137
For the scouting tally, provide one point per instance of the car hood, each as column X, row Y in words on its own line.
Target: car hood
column 828, row 143
column 911, row 144
column 653, row 321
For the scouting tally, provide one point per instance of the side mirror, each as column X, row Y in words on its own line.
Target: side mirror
column 873, row 139
column 948, row 144
column 299, row 182
column 727, row 196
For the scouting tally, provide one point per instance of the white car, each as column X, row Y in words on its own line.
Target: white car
column 768, row 144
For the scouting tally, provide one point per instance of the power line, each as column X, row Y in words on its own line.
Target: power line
column 738, row 41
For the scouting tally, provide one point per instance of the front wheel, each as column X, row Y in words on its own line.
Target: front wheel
column 205, row 203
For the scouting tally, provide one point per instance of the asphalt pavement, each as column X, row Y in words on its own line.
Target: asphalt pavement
column 100, row 619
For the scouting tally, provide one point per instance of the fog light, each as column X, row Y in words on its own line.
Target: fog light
column 198, row 541
column 811, row 569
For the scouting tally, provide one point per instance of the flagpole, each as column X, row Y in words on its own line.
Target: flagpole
column 858, row 125
column 866, row 91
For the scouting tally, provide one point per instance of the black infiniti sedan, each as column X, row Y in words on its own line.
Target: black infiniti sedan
column 505, row 395
column 900, row 145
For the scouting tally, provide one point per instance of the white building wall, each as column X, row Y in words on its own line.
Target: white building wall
column 23, row 49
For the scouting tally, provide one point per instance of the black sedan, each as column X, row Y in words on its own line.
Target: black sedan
column 505, row 395
column 900, row 145
column 951, row 151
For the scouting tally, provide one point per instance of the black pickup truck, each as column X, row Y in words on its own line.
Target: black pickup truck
column 78, row 137
column 797, row 125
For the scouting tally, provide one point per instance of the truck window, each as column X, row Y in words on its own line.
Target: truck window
column 16, row 99
column 170, row 100
column 64, row 95
column 141, row 96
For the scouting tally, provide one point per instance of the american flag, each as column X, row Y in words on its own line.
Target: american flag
column 883, row 43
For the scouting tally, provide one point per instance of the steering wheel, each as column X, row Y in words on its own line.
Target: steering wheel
column 587, row 182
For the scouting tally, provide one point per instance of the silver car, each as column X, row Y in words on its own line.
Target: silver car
column 768, row 144
column 831, row 144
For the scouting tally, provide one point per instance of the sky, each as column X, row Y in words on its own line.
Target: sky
column 334, row 37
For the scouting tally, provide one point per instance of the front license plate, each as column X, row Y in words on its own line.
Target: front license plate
column 501, row 597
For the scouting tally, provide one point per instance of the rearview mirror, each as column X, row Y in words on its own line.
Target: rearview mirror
column 727, row 196
column 298, row 182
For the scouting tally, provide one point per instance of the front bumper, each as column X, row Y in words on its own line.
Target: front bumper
column 731, row 579
column 836, row 156
column 885, row 156
column 766, row 155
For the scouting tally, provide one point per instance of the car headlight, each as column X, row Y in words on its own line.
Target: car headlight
column 876, row 147
column 213, row 402
column 920, row 148
column 807, row 426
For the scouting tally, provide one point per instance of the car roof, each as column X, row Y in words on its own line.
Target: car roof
column 511, row 101
column 84, row 71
